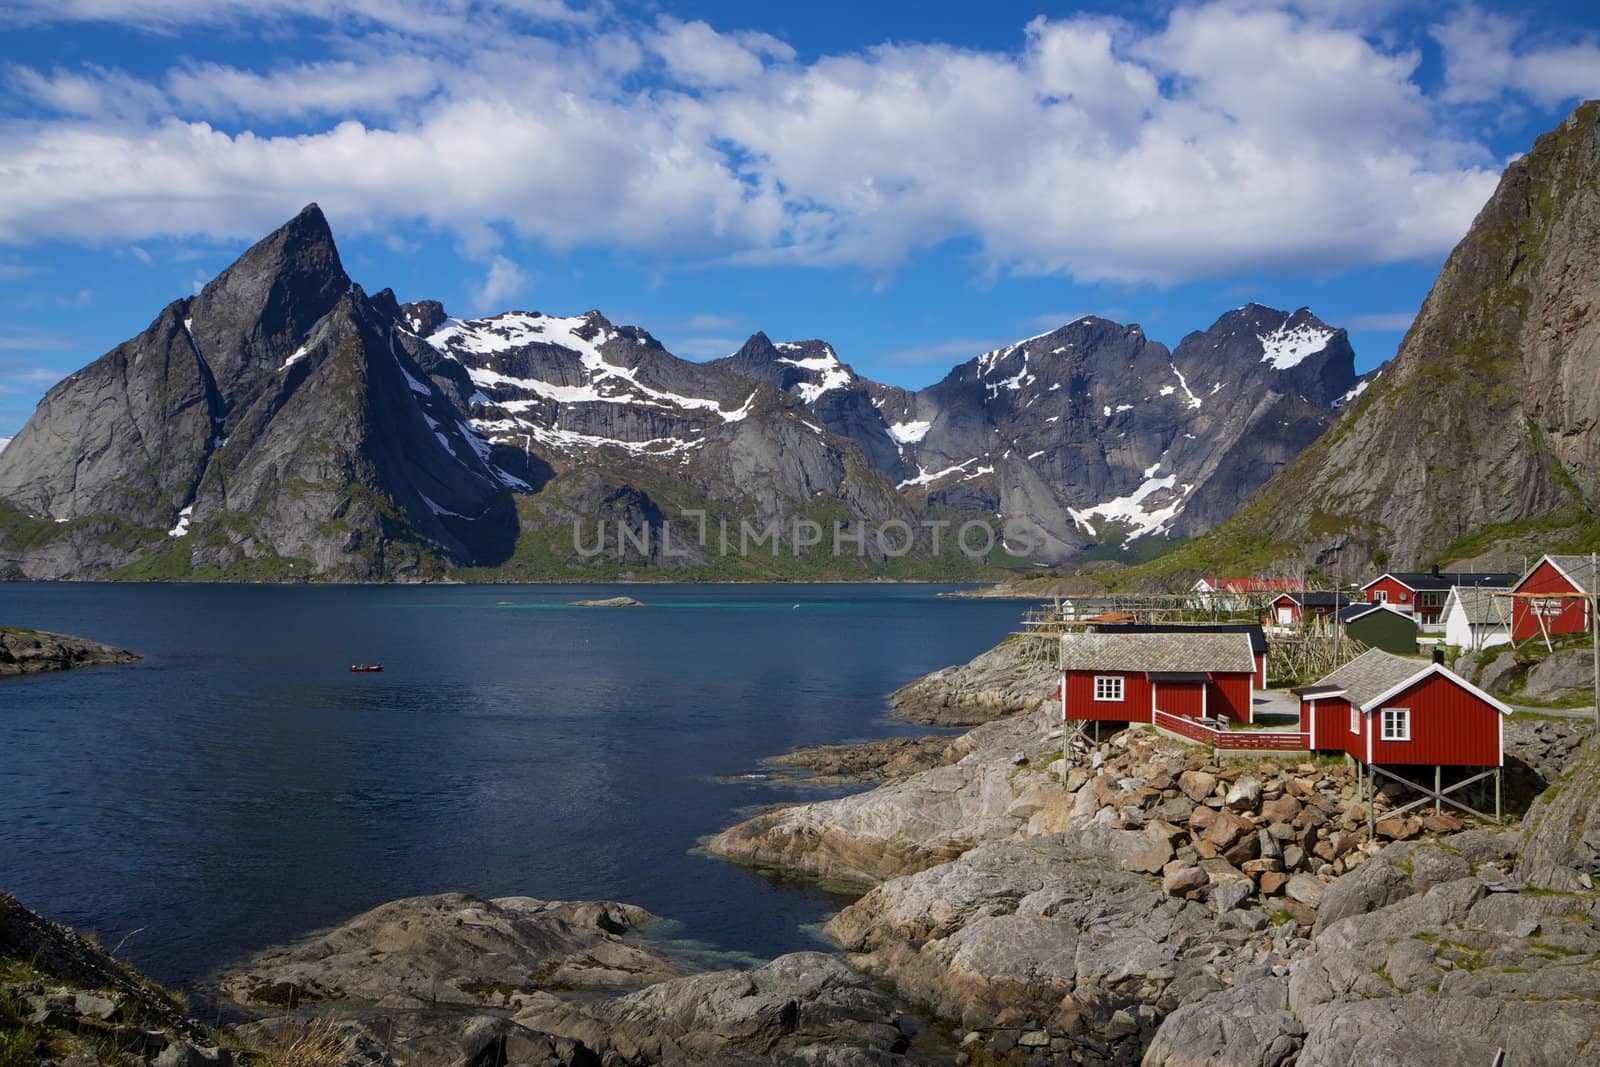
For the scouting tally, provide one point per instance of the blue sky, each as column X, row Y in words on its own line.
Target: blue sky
column 912, row 182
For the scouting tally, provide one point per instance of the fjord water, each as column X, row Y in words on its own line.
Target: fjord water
column 241, row 787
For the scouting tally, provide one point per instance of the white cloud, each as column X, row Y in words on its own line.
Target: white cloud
column 1100, row 149
column 696, row 54
column 505, row 282
column 1485, row 59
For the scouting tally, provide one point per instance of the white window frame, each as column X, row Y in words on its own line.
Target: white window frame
column 1355, row 719
column 1402, row 720
column 1380, row 596
column 1105, row 684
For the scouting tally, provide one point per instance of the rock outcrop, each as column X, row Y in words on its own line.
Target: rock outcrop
column 32, row 651
column 871, row 761
column 1561, row 835
column 454, row 949
column 999, row 683
column 803, row 1008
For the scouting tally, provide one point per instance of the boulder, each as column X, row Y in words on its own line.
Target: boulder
column 1245, row 795
column 1197, row 785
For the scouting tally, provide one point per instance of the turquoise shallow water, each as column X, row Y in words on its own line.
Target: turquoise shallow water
column 241, row 787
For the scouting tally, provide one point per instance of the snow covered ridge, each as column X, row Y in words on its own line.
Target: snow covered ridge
column 835, row 375
column 1285, row 347
column 3, row 442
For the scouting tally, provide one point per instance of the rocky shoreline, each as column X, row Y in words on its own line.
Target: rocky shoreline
column 1148, row 903
column 1140, row 902
column 35, row 651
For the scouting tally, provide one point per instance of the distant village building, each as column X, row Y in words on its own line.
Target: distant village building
column 1238, row 594
column 1561, row 612
column 1129, row 677
column 1380, row 626
column 1475, row 619
column 1387, row 710
column 1423, row 593
column 1292, row 609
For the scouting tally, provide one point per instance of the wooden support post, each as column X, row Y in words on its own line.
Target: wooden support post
column 1497, row 794
column 1436, row 784
column 1372, row 805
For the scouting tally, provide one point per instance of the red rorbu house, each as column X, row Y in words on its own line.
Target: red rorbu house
column 1389, row 711
column 1237, row 594
column 1566, row 580
column 1422, row 593
column 1128, row 677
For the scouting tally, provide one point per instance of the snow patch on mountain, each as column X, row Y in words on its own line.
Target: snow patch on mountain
column 1133, row 511
column 1286, row 347
column 909, row 433
column 181, row 527
column 834, row 374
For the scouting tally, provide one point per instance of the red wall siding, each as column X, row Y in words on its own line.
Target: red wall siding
column 1229, row 695
column 1449, row 726
column 1280, row 605
column 1181, row 698
column 1081, row 704
column 1328, row 723
column 1261, row 669
column 1561, row 616
column 1400, row 598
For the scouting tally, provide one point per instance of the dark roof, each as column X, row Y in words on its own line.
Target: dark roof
column 1258, row 636
column 1358, row 610
column 1191, row 652
column 1442, row 581
column 1179, row 676
column 1313, row 690
column 1372, row 674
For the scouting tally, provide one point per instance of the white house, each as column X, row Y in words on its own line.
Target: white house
column 1473, row 620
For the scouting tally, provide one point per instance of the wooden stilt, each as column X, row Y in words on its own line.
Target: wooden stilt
column 1372, row 805
column 1436, row 783
column 1497, row 794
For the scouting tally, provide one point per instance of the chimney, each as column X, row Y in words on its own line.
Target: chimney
column 1438, row 655
column 1436, row 570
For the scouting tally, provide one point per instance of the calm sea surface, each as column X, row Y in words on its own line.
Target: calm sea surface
column 240, row 787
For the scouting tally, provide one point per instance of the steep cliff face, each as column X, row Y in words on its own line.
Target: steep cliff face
column 1483, row 429
column 266, row 427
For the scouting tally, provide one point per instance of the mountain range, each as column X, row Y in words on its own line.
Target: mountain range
column 284, row 423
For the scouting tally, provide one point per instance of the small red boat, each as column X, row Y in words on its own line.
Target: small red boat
column 365, row 668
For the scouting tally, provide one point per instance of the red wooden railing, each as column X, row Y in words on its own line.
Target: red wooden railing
column 1234, row 740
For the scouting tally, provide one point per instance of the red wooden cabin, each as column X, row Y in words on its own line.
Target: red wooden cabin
column 1390, row 710
column 1291, row 609
column 1127, row 677
column 1561, row 613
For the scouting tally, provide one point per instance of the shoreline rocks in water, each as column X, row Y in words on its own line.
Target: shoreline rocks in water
column 1000, row 683
column 36, row 651
column 608, row 602
column 871, row 761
